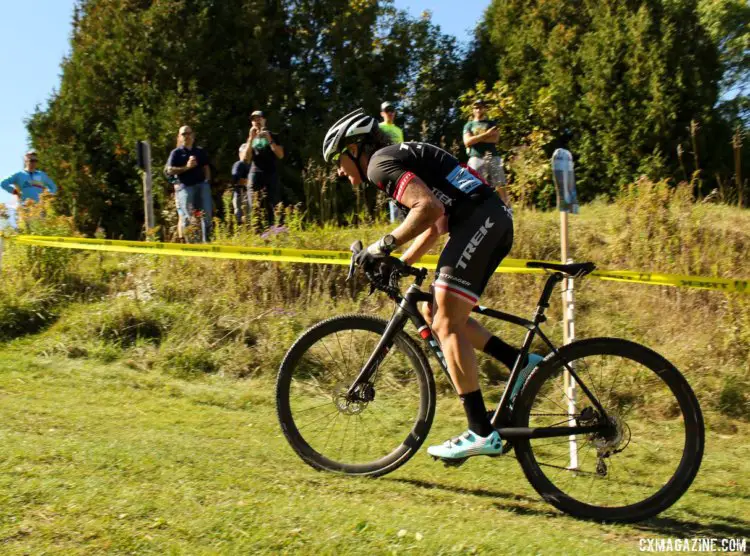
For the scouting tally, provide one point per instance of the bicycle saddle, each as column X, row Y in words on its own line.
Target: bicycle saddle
column 574, row 269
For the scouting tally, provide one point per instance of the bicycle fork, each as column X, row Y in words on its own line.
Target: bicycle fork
column 405, row 311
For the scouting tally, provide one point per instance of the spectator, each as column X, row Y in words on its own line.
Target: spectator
column 480, row 138
column 262, row 149
column 240, row 192
column 189, row 164
column 181, row 211
column 30, row 183
column 388, row 113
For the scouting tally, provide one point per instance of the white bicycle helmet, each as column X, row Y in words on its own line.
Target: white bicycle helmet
column 348, row 129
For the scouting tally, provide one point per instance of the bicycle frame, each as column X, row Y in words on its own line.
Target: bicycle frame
column 407, row 310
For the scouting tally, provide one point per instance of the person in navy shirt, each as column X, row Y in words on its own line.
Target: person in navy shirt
column 189, row 165
column 240, row 195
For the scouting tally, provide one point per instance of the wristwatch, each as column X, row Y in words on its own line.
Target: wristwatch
column 388, row 243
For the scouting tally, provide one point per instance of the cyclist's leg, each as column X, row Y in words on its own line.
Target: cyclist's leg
column 474, row 249
column 449, row 323
column 478, row 334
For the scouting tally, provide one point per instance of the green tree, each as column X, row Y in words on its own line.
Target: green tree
column 618, row 83
column 138, row 69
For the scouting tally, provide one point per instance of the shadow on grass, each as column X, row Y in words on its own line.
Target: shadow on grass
column 668, row 526
column 721, row 494
column 516, row 508
column 682, row 528
column 461, row 490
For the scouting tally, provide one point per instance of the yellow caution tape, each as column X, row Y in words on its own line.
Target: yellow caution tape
column 321, row 256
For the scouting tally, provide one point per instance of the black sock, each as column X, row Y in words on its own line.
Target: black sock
column 476, row 413
column 501, row 351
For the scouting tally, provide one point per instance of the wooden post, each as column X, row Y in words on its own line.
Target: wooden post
column 148, row 194
column 569, row 385
column 144, row 163
column 562, row 171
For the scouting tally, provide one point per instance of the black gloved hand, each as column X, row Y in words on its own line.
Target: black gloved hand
column 377, row 252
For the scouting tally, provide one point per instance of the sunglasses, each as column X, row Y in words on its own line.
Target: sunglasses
column 33, row 160
column 185, row 133
column 336, row 157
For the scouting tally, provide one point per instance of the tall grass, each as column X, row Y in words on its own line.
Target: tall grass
column 191, row 316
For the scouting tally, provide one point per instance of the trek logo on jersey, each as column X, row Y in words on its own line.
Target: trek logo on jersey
column 442, row 197
column 462, row 179
column 474, row 243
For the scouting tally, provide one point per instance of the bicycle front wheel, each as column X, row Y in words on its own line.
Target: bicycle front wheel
column 369, row 437
column 653, row 449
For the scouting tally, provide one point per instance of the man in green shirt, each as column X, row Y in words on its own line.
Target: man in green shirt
column 388, row 113
column 480, row 138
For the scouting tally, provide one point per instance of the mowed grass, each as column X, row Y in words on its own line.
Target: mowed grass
column 101, row 458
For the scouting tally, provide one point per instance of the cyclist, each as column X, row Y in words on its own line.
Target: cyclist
column 441, row 196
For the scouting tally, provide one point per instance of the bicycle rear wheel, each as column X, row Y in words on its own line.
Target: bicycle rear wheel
column 370, row 437
column 648, row 460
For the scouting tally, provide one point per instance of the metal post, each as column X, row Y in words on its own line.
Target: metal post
column 148, row 197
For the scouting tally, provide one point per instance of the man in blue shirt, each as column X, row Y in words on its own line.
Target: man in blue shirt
column 30, row 183
column 189, row 165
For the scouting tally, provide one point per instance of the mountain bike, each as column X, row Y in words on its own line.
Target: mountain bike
column 621, row 440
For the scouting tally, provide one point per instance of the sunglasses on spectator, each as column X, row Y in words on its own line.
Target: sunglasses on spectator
column 186, row 133
column 33, row 160
column 336, row 157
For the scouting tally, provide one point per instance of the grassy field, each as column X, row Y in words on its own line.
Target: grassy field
column 109, row 459
column 137, row 411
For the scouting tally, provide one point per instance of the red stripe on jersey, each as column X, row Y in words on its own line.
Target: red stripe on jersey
column 466, row 296
column 403, row 181
column 473, row 172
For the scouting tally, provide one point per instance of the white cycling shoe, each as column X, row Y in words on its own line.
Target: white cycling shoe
column 467, row 445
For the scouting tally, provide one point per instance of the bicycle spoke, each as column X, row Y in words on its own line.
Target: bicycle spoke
column 375, row 419
column 636, row 457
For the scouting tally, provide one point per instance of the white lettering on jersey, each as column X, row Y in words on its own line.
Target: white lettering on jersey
column 442, row 197
column 463, row 180
column 474, row 243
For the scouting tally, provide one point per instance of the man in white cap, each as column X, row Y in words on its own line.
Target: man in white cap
column 263, row 149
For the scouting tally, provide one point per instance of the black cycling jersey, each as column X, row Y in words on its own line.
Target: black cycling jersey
column 393, row 167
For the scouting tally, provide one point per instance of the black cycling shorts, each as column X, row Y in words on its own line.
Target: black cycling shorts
column 476, row 246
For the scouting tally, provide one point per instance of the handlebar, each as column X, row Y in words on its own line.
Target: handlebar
column 398, row 269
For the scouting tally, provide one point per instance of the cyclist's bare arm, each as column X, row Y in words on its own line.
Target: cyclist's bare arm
column 425, row 241
column 424, row 211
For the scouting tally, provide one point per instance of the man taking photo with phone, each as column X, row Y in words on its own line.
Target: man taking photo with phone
column 263, row 149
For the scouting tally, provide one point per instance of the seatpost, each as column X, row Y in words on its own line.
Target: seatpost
column 549, row 287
